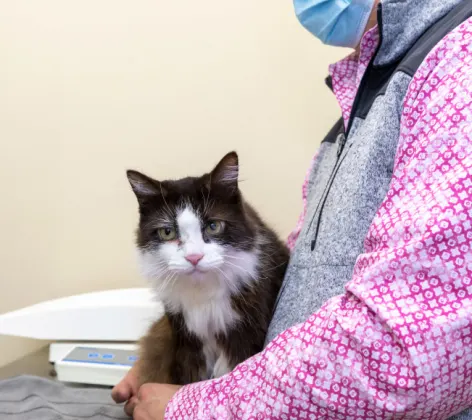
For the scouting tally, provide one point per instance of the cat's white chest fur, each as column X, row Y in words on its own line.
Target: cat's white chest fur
column 217, row 363
column 206, row 319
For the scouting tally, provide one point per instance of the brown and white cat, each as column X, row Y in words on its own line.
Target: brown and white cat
column 216, row 267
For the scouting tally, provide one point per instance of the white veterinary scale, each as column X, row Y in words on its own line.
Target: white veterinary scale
column 93, row 335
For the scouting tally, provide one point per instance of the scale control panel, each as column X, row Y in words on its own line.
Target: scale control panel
column 102, row 356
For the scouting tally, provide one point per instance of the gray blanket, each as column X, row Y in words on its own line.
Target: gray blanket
column 33, row 398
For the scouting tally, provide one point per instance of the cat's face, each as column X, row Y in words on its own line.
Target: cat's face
column 194, row 231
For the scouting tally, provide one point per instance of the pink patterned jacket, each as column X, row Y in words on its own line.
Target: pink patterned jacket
column 398, row 342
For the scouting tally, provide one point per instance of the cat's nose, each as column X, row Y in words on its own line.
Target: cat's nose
column 194, row 258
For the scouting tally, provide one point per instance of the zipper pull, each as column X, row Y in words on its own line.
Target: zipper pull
column 342, row 143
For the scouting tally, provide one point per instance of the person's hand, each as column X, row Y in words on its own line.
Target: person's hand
column 152, row 401
column 127, row 390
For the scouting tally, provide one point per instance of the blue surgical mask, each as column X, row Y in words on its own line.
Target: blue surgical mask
column 335, row 22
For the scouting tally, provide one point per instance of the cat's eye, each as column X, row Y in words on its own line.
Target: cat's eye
column 214, row 227
column 167, row 233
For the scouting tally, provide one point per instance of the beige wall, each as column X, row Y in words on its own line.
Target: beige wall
column 90, row 88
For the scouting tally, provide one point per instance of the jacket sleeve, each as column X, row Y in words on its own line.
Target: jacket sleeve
column 398, row 343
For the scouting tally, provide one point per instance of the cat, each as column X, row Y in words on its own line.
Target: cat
column 216, row 267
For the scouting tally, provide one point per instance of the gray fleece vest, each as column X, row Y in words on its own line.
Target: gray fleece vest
column 354, row 166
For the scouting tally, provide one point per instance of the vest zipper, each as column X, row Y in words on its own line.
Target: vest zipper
column 342, row 143
column 343, row 140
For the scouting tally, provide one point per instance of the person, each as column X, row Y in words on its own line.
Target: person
column 374, row 319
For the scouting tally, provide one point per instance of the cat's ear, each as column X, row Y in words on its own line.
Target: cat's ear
column 226, row 173
column 144, row 187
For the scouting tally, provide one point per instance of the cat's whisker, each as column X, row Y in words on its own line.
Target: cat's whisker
column 225, row 277
column 155, row 271
column 242, row 269
column 248, row 305
column 159, row 263
column 166, row 282
column 234, row 257
column 273, row 268
column 206, row 203
column 269, row 255
column 160, row 267
column 172, row 280
column 165, row 201
column 209, row 191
